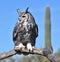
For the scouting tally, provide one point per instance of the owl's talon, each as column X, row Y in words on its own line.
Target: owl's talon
column 20, row 46
column 29, row 47
column 16, row 48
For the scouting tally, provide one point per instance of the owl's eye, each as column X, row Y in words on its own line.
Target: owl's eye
column 23, row 16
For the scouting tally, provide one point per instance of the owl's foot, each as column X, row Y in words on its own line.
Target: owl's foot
column 19, row 46
column 29, row 47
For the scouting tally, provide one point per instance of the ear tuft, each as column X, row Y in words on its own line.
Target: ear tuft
column 26, row 10
column 19, row 12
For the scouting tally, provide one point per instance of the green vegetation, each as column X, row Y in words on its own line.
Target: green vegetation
column 47, row 28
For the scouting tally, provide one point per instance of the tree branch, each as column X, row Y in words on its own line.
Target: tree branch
column 53, row 58
column 7, row 54
column 13, row 52
column 44, row 52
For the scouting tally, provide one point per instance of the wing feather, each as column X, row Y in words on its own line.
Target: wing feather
column 15, row 31
column 36, row 30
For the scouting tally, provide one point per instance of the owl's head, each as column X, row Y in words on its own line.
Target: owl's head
column 26, row 15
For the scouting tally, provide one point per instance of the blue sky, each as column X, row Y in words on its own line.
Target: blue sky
column 9, row 17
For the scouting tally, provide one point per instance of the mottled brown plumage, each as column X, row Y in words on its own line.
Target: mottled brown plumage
column 25, row 30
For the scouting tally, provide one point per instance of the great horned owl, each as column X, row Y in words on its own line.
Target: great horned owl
column 25, row 31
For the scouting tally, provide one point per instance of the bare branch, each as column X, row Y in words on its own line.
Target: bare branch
column 44, row 52
column 53, row 58
column 7, row 54
column 13, row 52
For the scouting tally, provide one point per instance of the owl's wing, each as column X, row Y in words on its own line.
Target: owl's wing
column 15, row 31
column 36, row 30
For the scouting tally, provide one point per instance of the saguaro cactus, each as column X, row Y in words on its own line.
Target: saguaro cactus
column 47, row 28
